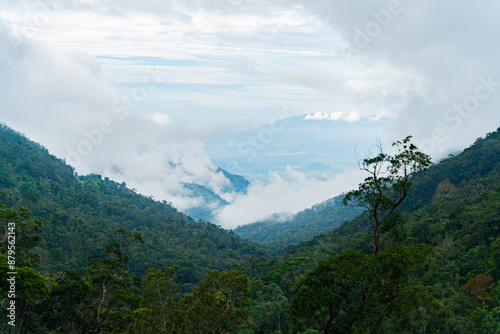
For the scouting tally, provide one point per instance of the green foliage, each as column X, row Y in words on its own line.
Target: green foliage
column 159, row 289
column 30, row 286
column 268, row 310
column 21, row 286
column 354, row 292
column 21, row 232
column 107, row 278
column 321, row 297
column 463, row 226
column 217, row 305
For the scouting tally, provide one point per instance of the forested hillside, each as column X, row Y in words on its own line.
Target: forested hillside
column 451, row 235
column 276, row 233
column 81, row 214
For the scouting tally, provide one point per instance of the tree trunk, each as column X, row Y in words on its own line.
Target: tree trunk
column 99, row 306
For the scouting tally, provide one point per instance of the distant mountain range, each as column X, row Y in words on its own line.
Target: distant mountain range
column 444, row 259
column 453, row 210
column 457, row 197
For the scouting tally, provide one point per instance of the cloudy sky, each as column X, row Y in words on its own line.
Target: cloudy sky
column 130, row 89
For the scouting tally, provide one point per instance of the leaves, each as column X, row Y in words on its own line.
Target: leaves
column 387, row 184
column 353, row 290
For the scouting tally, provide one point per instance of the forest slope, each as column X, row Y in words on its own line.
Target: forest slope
column 454, row 210
column 82, row 213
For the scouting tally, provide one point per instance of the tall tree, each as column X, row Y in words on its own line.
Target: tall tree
column 109, row 276
column 387, row 184
column 322, row 297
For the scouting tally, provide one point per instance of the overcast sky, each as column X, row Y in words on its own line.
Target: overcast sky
column 142, row 81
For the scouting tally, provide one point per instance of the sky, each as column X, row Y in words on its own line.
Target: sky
column 131, row 89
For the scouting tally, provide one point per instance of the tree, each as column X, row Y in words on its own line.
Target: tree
column 18, row 228
column 321, row 298
column 30, row 289
column 158, row 289
column 19, row 234
column 352, row 292
column 110, row 276
column 268, row 311
column 387, row 185
column 217, row 305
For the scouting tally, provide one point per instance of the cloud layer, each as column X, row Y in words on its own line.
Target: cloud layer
column 353, row 116
column 63, row 103
column 447, row 49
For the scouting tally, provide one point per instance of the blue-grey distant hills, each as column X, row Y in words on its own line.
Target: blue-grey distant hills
column 209, row 200
column 318, row 148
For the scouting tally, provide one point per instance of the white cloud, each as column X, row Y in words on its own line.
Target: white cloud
column 289, row 194
column 318, row 116
column 351, row 117
column 210, row 34
column 429, row 56
column 334, row 116
column 160, row 118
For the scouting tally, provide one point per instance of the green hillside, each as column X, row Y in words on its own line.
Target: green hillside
column 81, row 214
column 210, row 201
column 276, row 234
column 450, row 255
